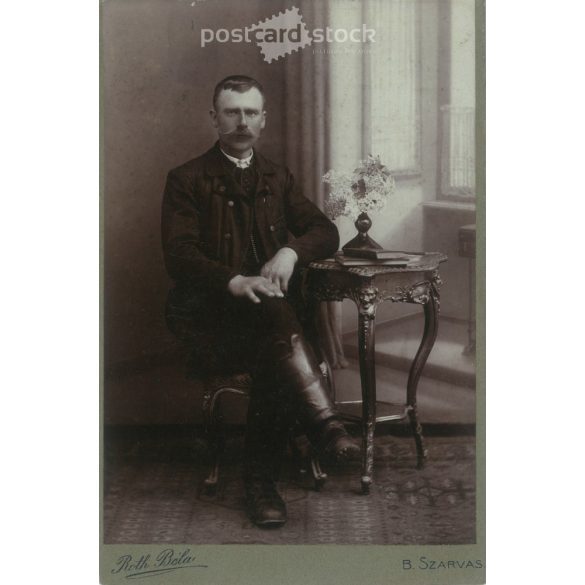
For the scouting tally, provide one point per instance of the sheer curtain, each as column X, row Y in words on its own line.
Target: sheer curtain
column 375, row 87
column 394, row 120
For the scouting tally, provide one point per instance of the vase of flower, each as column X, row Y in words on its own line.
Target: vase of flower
column 355, row 194
column 362, row 241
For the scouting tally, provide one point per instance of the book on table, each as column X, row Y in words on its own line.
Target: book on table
column 399, row 260
column 371, row 254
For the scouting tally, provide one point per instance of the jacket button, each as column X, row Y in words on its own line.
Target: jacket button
column 271, row 228
column 221, row 188
column 227, row 236
column 231, row 203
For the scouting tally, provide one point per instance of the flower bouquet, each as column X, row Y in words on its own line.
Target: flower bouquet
column 355, row 194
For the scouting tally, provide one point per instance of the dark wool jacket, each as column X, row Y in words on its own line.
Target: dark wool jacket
column 206, row 224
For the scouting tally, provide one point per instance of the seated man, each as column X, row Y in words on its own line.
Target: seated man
column 225, row 222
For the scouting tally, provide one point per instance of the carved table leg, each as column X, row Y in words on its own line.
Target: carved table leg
column 431, row 309
column 366, row 341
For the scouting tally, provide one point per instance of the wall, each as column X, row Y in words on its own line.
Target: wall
column 441, row 232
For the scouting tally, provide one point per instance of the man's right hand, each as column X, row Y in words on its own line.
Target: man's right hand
column 250, row 286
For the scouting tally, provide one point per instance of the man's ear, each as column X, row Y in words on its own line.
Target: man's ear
column 213, row 116
column 263, row 120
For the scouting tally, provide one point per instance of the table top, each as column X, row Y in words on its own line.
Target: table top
column 427, row 261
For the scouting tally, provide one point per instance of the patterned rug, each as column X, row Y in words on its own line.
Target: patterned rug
column 153, row 493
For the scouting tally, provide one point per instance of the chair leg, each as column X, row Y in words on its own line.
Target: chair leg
column 211, row 480
column 212, row 421
column 319, row 476
column 215, row 439
column 297, row 454
column 306, row 459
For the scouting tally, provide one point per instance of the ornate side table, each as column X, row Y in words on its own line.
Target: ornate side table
column 368, row 286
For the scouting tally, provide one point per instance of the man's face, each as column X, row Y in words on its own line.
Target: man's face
column 239, row 119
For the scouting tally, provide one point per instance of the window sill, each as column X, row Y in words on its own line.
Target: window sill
column 450, row 205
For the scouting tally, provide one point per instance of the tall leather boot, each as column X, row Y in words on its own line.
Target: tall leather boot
column 266, row 436
column 299, row 373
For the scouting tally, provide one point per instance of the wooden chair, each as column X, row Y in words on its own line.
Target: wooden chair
column 240, row 384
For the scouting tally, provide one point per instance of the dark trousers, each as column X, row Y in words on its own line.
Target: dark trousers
column 262, row 334
column 252, row 337
column 254, row 329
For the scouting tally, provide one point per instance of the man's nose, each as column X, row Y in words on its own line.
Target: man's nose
column 242, row 122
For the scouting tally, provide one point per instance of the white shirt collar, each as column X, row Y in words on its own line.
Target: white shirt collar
column 242, row 163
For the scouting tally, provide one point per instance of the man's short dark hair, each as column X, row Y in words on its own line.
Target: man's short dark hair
column 240, row 83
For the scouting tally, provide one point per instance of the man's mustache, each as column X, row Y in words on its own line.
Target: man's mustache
column 237, row 132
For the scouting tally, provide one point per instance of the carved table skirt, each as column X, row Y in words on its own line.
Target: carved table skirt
column 368, row 286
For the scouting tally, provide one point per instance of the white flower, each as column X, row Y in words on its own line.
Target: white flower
column 366, row 189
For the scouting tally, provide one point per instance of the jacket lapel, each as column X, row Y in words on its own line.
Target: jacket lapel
column 216, row 165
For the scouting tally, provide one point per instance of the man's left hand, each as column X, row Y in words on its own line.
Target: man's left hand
column 280, row 267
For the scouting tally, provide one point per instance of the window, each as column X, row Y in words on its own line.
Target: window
column 375, row 87
column 458, row 152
